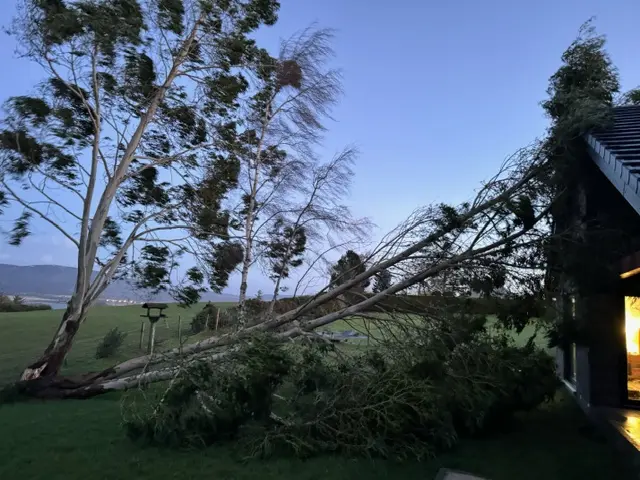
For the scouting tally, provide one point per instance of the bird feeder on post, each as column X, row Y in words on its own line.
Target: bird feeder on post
column 153, row 318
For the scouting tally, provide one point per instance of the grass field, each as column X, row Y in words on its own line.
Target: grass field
column 83, row 439
column 24, row 335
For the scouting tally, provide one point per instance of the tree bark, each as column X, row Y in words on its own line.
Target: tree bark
column 51, row 361
column 86, row 290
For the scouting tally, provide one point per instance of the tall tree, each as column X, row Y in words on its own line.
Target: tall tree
column 318, row 212
column 581, row 94
column 348, row 267
column 122, row 140
column 284, row 251
column 294, row 95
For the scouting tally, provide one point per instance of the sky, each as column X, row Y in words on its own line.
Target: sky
column 437, row 94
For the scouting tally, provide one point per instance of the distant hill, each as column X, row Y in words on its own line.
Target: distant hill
column 56, row 280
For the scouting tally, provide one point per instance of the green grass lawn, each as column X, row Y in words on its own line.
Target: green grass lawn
column 84, row 439
column 23, row 336
column 374, row 328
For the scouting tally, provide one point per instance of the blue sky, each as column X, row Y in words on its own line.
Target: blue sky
column 437, row 94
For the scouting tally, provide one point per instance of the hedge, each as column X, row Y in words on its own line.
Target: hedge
column 398, row 303
column 13, row 307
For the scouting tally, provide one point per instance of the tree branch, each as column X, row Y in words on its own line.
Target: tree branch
column 40, row 214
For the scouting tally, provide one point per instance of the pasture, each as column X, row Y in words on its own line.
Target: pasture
column 83, row 438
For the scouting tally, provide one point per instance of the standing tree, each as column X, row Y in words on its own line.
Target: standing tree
column 581, row 94
column 348, row 267
column 122, row 140
column 285, row 249
column 279, row 168
column 382, row 281
column 316, row 216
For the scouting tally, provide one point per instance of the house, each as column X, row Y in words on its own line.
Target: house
column 601, row 366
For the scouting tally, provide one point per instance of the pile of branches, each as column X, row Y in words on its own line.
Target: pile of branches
column 423, row 386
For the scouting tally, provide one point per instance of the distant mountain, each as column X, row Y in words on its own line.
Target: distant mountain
column 56, row 280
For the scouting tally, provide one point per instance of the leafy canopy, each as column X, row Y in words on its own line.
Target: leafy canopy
column 119, row 147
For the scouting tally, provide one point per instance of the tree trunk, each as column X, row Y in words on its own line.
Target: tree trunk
column 246, row 264
column 51, row 361
column 274, row 299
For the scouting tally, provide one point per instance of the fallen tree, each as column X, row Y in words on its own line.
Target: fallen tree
column 498, row 222
column 428, row 382
column 498, row 239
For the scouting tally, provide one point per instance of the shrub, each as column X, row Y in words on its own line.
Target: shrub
column 410, row 304
column 110, row 344
column 210, row 403
column 413, row 396
column 206, row 318
column 16, row 307
column 16, row 304
column 200, row 321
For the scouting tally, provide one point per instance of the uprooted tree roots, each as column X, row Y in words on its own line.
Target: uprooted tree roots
column 416, row 392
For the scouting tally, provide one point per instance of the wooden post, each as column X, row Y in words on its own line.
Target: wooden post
column 141, row 333
column 152, row 339
column 180, row 334
column 217, row 317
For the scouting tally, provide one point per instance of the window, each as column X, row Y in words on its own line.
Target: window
column 632, row 336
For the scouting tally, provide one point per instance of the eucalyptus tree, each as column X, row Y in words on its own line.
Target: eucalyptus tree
column 119, row 148
column 283, row 187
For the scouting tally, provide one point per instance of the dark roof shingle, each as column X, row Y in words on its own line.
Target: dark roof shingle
column 616, row 150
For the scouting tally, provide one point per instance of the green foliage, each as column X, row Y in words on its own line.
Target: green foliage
column 204, row 319
column 154, row 266
column 558, row 432
column 170, row 15
column 285, row 248
column 517, row 314
column 581, row 94
column 545, row 446
column 20, row 228
column 227, row 317
column 349, row 266
column 382, row 281
column 582, row 88
column 17, row 305
column 224, row 257
column 109, row 96
column 410, row 397
column 512, row 310
column 632, row 97
column 210, row 403
column 110, row 343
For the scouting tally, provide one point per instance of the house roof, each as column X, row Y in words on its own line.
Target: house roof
column 616, row 151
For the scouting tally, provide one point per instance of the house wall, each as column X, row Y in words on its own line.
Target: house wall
column 601, row 358
column 603, row 311
column 605, row 354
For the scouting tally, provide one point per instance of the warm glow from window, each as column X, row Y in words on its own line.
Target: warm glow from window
column 632, row 324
